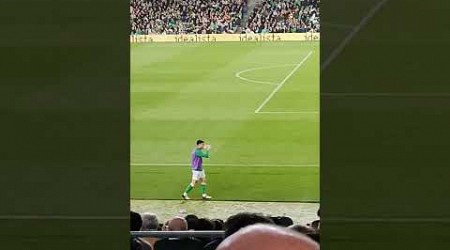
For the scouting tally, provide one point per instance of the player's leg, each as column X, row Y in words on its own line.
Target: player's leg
column 203, row 185
column 188, row 189
column 191, row 185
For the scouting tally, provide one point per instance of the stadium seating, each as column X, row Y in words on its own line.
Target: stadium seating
column 284, row 16
column 186, row 16
column 224, row 16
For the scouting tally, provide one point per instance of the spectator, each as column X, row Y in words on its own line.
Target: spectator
column 178, row 224
column 192, row 221
column 240, row 220
column 150, row 223
column 137, row 244
column 267, row 237
column 308, row 231
column 135, row 221
column 218, row 224
column 302, row 229
column 282, row 221
column 236, row 222
column 135, row 225
column 233, row 224
column 204, row 224
column 316, row 224
column 315, row 236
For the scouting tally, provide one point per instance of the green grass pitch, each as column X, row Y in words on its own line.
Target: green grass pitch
column 182, row 92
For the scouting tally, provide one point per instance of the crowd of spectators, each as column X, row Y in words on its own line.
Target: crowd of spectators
column 186, row 16
column 285, row 16
column 223, row 16
column 249, row 231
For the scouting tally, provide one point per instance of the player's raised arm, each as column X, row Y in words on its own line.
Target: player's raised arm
column 200, row 153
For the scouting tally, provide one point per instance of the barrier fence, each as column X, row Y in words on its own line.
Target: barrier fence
column 211, row 38
column 177, row 234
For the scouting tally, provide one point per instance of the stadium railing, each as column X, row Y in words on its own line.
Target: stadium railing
column 177, row 234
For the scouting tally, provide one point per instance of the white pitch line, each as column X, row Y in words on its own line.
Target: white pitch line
column 350, row 36
column 283, row 82
column 238, row 74
column 288, row 112
column 226, row 164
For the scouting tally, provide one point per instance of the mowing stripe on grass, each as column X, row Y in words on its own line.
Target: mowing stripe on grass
column 226, row 164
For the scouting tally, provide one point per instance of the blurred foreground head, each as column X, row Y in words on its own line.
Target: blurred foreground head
column 236, row 222
column 177, row 224
column 267, row 237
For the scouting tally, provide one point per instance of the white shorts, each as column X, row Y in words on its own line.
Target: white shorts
column 196, row 175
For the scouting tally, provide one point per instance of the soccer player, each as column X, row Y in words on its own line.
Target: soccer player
column 198, row 174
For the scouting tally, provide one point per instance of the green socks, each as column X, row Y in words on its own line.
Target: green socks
column 188, row 189
column 203, row 188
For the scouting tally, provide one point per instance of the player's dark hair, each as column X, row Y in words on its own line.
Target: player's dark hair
column 241, row 220
column 200, row 142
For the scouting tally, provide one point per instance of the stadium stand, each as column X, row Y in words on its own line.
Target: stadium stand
column 193, row 233
column 186, row 16
column 284, row 16
column 223, row 16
